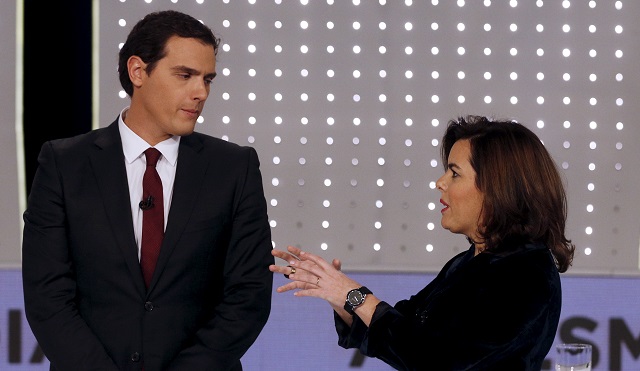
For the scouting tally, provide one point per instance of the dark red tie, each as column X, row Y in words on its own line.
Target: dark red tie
column 152, row 206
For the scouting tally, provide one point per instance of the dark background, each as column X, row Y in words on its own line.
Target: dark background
column 57, row 74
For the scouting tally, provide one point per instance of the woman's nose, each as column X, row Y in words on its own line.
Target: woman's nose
column 440, row 184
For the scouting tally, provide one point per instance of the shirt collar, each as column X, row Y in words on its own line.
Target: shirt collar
column 133, row 146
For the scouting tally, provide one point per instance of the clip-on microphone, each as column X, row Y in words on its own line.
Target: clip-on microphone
column 146, row 204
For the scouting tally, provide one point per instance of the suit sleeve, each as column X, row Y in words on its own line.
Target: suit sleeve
column 246, row 303
column 48, row 276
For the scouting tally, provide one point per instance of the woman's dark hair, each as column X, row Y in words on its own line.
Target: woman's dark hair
column 149, row 37
column 524, row 196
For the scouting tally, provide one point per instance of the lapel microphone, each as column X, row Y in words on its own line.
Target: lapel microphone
column 146, row 204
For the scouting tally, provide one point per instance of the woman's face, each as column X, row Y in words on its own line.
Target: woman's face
column 462, row 200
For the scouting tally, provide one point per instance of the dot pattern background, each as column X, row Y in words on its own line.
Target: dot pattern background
column 346, row 103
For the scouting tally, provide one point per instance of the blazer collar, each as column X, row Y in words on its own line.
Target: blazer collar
column 107, row 160
column 190, row 172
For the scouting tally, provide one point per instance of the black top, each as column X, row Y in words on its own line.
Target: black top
column 493, row 311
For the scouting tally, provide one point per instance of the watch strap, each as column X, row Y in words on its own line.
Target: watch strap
column 348, row 306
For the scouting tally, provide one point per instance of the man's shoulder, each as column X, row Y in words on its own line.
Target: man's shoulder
column 80, row 141
column 211, row 143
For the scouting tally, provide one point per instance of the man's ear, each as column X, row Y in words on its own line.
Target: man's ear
column 137, row 70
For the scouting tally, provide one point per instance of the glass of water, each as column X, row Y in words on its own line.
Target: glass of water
column 573, row 357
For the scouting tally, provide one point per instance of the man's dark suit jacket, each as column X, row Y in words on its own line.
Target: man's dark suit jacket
column 85, row 296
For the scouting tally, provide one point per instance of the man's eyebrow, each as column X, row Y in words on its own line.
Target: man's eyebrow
column 185, row 69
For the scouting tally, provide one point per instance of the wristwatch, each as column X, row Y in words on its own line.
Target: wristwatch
column 355, row 298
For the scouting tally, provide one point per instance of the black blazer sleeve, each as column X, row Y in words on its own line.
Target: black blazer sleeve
column 48, row 275
column 494, row 313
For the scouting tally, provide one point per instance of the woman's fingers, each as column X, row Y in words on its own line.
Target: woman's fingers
column 283, row 255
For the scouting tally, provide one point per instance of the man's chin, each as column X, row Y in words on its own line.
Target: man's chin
column 185, row 131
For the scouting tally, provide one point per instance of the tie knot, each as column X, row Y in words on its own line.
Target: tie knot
column 152, row 156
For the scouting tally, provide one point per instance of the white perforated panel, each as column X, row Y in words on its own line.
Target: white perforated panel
column 346, row 102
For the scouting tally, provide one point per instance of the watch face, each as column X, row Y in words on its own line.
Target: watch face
column 355, row 297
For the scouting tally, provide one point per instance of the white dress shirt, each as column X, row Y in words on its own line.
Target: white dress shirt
column 135, row 162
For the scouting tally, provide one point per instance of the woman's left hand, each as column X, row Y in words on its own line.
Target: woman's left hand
column 313, row 276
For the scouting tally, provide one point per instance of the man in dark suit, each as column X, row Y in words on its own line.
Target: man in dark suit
column 208, row 296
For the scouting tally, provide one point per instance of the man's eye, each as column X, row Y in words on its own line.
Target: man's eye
column 208, row 81
column 185, row 76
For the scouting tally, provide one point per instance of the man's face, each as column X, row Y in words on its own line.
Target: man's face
column 172, row 96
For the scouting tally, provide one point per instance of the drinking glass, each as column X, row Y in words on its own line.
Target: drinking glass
column 573, row 357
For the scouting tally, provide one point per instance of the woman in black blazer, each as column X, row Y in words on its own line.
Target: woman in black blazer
column 495, row 306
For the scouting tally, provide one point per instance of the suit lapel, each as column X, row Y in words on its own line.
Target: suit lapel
column 190, row 172
column 109, row 169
